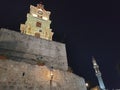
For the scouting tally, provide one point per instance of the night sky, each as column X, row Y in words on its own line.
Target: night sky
column 88, row 28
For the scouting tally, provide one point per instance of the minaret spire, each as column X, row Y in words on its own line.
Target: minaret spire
column 98, row 74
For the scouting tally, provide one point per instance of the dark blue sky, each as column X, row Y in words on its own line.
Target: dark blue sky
column 89, row 28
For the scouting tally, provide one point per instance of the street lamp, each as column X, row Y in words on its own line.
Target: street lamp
column 51, row 77
column 86, row 84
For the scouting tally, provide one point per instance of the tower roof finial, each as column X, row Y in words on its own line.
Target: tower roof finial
column 40, row 5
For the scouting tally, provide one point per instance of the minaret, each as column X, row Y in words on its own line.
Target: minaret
column 98, row 74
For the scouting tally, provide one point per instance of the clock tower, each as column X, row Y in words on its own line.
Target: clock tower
column 38, row 23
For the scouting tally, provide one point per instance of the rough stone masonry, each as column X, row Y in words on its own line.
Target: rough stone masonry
column 22, row 68
column 22, row 47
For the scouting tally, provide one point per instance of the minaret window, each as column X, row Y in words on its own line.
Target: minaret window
column 38, row 24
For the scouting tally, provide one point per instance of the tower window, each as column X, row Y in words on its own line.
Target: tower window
column 40, row 30
column 38, row 24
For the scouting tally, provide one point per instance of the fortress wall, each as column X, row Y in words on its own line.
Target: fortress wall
column 28, row 48
column 22, row 76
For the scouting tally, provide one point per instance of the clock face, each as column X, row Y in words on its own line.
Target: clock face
column 40, row 12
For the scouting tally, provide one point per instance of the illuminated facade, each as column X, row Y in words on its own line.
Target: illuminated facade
column 95, row 88
column 98, row 74
column 38, row 23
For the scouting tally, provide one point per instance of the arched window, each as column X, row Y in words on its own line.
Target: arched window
column 37, row 35
column 38, row 24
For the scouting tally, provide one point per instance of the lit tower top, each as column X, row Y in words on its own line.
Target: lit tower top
column 38, row 23
column 98, row 74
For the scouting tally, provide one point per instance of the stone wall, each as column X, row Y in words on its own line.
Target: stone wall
column 19, row 68
column 20, row 47
column 23, row 76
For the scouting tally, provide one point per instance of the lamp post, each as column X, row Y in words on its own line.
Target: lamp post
column 87, row 86
column 51, row 77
